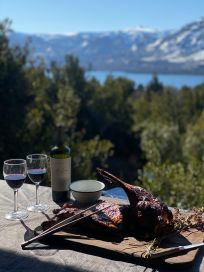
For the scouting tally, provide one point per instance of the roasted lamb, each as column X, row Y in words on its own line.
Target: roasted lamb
column 147, row 216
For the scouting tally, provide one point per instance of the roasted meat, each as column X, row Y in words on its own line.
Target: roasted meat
column 59, row 214
column 110, row 217
column 147, row 216
column 109, row 220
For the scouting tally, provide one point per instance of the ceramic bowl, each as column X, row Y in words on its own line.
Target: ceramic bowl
column 87, row 191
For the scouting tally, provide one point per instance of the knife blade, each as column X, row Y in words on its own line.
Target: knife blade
column 176, row 250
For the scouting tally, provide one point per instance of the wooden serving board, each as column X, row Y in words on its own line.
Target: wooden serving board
column 131, row 248
column 127, row 247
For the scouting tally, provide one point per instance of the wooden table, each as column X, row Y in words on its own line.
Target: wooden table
column 42, row 258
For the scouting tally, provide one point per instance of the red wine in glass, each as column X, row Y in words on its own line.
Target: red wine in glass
column 37, row 171
column 15, row 181
column 37, row 175
column 14, row 172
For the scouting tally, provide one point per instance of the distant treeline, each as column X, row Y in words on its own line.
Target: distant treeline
column 150, row 135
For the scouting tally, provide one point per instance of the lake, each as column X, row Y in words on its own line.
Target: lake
column 166, row 79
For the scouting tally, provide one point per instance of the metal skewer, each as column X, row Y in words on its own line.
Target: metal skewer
column 71, row 218
column 61, row 225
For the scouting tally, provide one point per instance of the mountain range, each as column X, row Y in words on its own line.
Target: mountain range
column 134, row 50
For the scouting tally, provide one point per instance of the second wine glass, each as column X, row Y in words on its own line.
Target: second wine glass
column 37, row 171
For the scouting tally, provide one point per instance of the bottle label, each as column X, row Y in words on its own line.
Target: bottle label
column 60, row 174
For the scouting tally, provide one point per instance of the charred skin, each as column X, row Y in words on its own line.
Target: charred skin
column 147, row 215
column 109, row 221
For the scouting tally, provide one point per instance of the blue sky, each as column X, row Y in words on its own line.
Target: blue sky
column 61, row 16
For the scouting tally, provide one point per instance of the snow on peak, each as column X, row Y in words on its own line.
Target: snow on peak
column 201, row 19
column 140, row 29
column 70, row 34
column 84, row 43
column 52, row 36
column 134, row 47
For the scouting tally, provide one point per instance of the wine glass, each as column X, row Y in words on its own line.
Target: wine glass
column 14, row 172
column 37, row 171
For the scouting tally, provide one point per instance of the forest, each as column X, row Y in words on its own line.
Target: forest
column 151, row 136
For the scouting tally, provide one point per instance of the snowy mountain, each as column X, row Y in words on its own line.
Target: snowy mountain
column 184, row 48
column 139, row 50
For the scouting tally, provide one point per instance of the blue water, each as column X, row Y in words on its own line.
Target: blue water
column 166, row 79
column 116, row 192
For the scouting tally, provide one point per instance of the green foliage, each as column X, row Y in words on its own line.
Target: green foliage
column 193, row 146
column 66, row 108
column 74, row 74
column 89, row 154
column 161, row 143
column 154, row 86
column 13, row 95
column 177, row 185
column 170, row 125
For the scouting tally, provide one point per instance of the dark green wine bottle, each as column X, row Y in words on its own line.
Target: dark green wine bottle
column 60, row 165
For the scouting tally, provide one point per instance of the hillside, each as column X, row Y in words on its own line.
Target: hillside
column 137, row 50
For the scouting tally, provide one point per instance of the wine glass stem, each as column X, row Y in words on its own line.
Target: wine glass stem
column 15, row 201
column 36, row 194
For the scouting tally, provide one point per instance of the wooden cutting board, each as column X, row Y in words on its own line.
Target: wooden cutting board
column 129, row 247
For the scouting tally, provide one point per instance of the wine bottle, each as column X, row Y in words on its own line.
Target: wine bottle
column 60, row 164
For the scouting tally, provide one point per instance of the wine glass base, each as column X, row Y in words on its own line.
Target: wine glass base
column 38, row 207
column 19, row 215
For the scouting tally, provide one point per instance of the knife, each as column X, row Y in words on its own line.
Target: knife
column 176, row 250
